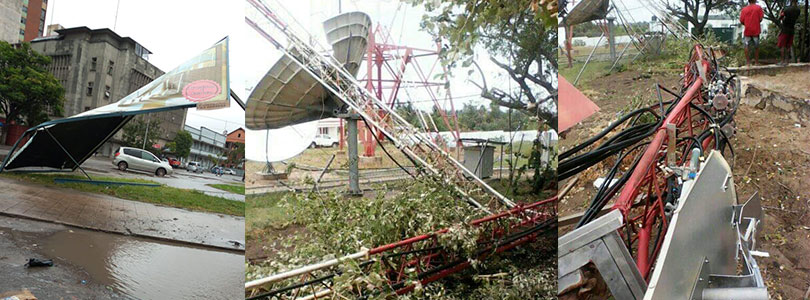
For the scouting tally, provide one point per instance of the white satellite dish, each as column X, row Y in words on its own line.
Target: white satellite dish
column 283, row 143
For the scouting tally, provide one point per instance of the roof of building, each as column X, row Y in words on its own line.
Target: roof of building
column 238, row 138
column 237, row 129
column 84, row 29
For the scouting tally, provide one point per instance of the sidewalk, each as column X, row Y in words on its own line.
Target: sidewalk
column 110, row 214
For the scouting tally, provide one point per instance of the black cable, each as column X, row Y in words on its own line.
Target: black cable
column 606, row 191
column 386, row 151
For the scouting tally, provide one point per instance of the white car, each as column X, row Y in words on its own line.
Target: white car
column 142, row 160
column 229, row 172
column 194, row 166
column 324, row 140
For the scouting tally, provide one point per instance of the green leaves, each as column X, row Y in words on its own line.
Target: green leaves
column 135, row 131
column 27, row 90
column 182, row 144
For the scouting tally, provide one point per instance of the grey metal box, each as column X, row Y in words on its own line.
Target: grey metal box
column 479, row 160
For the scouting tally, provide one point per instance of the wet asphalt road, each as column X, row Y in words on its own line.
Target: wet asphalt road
column 96, row 265
column 180, row 178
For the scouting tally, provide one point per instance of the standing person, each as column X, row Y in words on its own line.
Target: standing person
column 750, row 17
column 785, row 41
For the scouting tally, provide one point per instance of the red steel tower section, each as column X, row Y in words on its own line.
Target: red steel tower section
column 386, row 66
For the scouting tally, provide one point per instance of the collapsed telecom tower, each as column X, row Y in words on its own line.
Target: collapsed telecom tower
column 676, row 229
column 311, row 82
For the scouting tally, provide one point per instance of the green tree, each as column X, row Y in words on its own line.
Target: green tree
column 696, row 12
column 28, row 92
column 135, row 131
column 519, row 35
column 407, row 111
column 235, row 155
column 181, row 145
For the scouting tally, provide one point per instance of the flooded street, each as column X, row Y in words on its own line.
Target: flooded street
column 97, row 264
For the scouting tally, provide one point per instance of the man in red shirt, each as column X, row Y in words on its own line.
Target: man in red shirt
column 750, row 17
column 785, row 41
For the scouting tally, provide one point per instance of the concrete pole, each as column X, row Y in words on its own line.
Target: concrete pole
column 146, row 133
column 354, row 174
column 611, row 39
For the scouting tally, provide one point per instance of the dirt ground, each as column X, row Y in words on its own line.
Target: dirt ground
column 772, row 157
column 792, row 83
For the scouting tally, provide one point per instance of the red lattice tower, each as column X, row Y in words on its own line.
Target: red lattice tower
column 641, row 201
column 386, row 66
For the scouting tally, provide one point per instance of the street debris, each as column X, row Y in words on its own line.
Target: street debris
column 36, row 262
column 25, row 294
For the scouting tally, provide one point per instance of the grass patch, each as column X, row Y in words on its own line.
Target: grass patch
column 233, row 188
column 163, row 195
column 266, row 212
column 594, row 70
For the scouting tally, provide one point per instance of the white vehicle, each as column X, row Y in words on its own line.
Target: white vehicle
column 142, row 160
column 194, row 166
column 230, row 172
column 324, row 140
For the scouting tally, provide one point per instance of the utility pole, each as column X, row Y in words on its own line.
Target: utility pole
column 351, row 140
column 611, row 37
column 146, row 133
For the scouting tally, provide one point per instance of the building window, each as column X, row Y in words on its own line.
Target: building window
column 22, row 20
column 107, row 92
column 93, row 63
column 42, row 16
column 110, row 69
column 89, row 88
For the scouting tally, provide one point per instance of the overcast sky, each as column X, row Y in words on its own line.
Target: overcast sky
column 174, row 31
column 401, row 19
column 177, row 30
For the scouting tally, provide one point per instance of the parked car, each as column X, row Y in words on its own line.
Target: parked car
column 324, row 140
column 194, row 166
column 142, row 160
column 174, row 163
column 216, row 170
column 230, row 172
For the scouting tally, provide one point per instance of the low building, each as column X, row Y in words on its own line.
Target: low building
column 330, row 127
column 208, row 147
column 98, row 67
column 727, row 28
column 236, row 136
column 232, row 142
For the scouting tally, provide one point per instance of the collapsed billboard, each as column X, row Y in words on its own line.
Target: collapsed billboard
column 64, row 144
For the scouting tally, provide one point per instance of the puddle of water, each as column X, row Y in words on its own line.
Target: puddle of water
column 145, row 269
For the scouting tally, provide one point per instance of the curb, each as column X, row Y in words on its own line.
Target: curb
column 159, row 238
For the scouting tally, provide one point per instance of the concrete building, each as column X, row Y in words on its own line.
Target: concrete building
column 10, row 14
column 232, row 141
column 22, row 20
column 98, row 67
column 207, row 144
column 727, row 28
